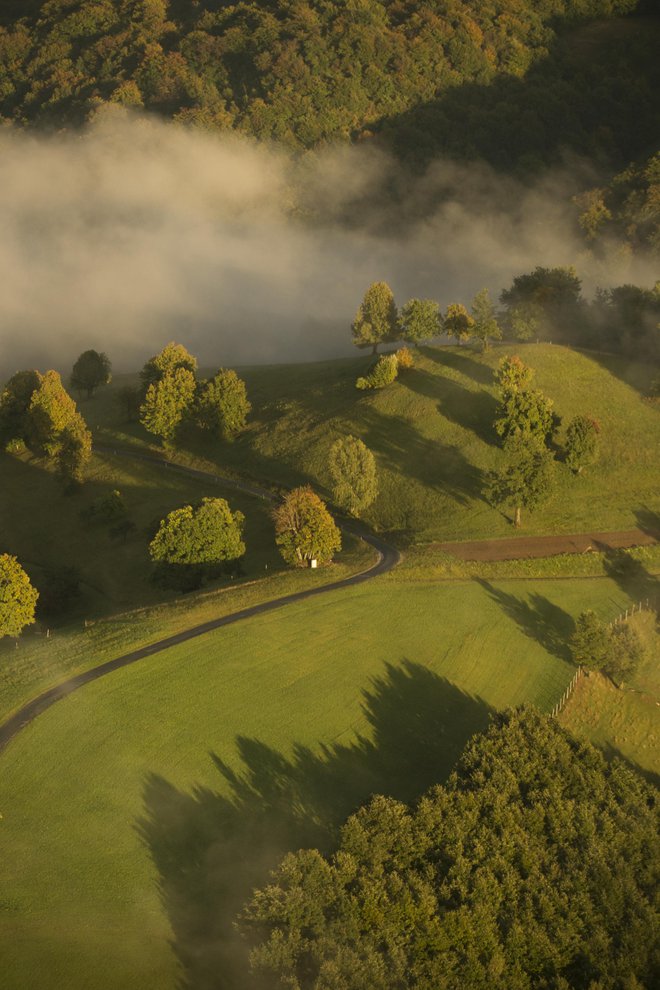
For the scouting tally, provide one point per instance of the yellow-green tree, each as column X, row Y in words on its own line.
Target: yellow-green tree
column 304, row 528
column 18, row 598
column 376, row 320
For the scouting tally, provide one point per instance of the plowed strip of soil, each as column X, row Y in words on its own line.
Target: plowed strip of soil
column 520, row 547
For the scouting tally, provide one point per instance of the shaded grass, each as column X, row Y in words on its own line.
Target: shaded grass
column 306, row 711
column 431, row 433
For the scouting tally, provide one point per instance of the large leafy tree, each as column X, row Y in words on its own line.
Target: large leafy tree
column 172, row 357
column 51, row 410
column 223, row 404
column 18, row 598
column 74, row 450
column 352, row 468
column 376, row 320
column 550, row 297
column 205, row 534
column 420, row 320
column 458, row 323
column 167, row 402
column 535, row 866
column 304, row 528
column 90, row 370
column 526, row 480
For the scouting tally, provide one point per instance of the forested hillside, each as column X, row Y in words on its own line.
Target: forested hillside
column 307, row 71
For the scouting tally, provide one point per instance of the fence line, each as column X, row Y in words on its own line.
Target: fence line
column 647, row 604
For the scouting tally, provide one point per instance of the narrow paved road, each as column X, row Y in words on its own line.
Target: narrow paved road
column 388, row 557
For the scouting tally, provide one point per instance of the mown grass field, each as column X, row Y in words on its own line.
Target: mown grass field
column 431, row 432
column 190, row 773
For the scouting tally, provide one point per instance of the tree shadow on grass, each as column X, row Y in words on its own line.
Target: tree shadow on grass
column 212, row 849
column 538, row 618
column 648, row 521
column 629, row 573
column 612, row 753
column 472, row 410
column 462, row 361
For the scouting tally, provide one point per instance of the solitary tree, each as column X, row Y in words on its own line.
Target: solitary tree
column 420, row 320
column 304, row 528
column 353, row 472
column 18, row 598
column 91, row 370
column 376, row 320
column 458, row 323
column 207, row 534
column 485, row 327
column 224, row 405
column 527, row 479
column 167, row 402
column 525, row 413
column 582, row 438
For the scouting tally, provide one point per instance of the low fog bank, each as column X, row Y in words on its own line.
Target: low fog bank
column 137, row 232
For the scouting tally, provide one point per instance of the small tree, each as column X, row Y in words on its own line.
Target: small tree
column 223, row 404
column 458, row 323
column 527, row 479
column 485, row 327
column 91, row 370
column 167, row 402
column 304, row 528
column 18, row 598
column 353, row 472
column 420, row 320
column 582, row 441
column 382, row 375
column 590, row 642
column 207, row 534
column 376, row 320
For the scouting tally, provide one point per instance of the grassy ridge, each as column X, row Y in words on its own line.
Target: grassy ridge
column 432, row 435
column 305, row 704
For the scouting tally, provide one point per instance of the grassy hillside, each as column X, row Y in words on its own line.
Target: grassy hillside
column 154, row 838
column 432, row 435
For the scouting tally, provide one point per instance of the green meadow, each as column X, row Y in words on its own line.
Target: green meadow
column 138, row 813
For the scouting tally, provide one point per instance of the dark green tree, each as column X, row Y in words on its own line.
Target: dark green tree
column 352, row 468
column 15, row 404
column 304, row 528
column 535, row 866
column 223, row 404
column 582, row 441
column 91, row 370
column 420, row 320
column 551, row 296
column 74, row 450
column 376, row 321
column 527, row 479
column 18, row 598
column 590, row 642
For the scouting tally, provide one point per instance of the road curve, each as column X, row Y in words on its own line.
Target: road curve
column 388, row 557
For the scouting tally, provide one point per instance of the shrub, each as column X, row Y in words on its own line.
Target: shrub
column 404, row 358
column 383, row 374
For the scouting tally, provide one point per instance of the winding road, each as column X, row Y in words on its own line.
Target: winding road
column 388, row 557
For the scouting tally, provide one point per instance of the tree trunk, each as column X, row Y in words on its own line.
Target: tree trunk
column 516, row 520
column 374, row 348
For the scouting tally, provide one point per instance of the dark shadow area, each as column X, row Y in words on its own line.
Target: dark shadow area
column 212, row 849
column 538, row 618
column 473, row 411
column 460, row 360
column 591, row 95
column 648, row 521
column 629, row 573
column 612, row 753
column 403, row 449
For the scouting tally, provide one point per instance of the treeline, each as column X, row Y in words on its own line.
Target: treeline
column 296, row 71
column 545, row 304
